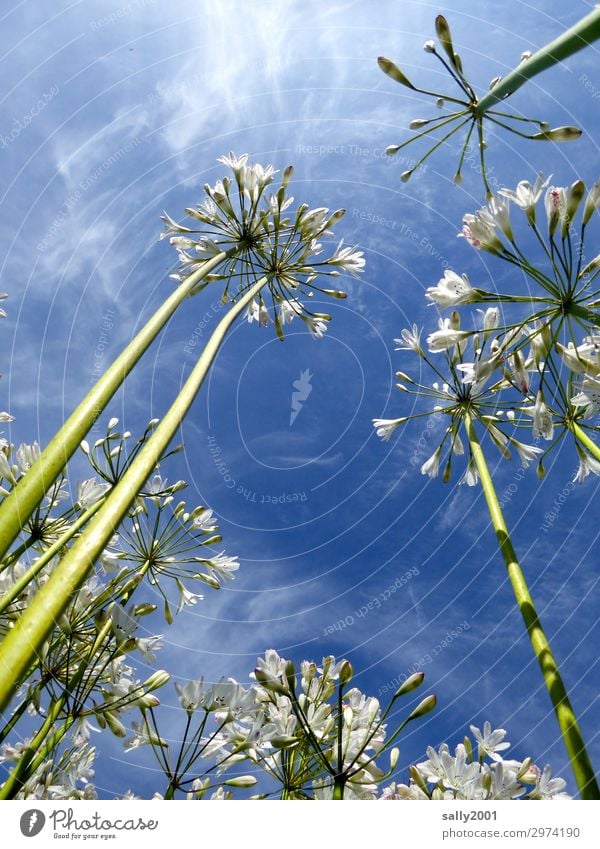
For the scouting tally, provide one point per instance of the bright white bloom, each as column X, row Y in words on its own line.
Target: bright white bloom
column 587, row 464
column 384, row 428
column 410, row 341
column 223, row 566
column 583, row 359
column 549, row 788
column 527, row 453
column 431, row 466
column 89, row 492
column 588, row 396
column 526, row 196
column 452, row 290
column 142, row 736
column 186, row 598
column 480, row 231
column 316, row 325
column 258, row 312
column 556, row 207
column 543, row 426
column 348, row 258
column 499, row 210
column 446, row 337
column 490, row 742
column 193, row 695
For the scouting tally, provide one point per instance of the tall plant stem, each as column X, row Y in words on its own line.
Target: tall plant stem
column 19, row 585
column 41, row 746
column 582, row 437
column 21, row 645
column 583, row 33
column 20, row 503
column 569, row 728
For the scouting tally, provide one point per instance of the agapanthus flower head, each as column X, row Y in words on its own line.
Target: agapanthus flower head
column 466, row 389
column 249, row 219
column 465, row 109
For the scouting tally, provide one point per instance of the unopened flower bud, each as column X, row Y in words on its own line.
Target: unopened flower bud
column 391, row 149
column 346, row 672
column 115, row 725
column 241, row 781
column 418, row 123
column 429, row 46
column 411, row 683
column 394, row 755
column 423, row 708
column 392, row 70
column 405, row 176
column 156, row 680
column 591, row 202
column 284, row 742
column 455, row 320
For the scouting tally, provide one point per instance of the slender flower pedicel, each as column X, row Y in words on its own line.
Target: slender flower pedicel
column 464, row 109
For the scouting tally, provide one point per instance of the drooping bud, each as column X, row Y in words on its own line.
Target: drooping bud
column 558, row 134
column 443, row 33
column 394, row 755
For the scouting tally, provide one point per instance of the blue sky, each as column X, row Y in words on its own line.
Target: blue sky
column 112, row 112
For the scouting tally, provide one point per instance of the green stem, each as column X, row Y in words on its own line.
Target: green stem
column 17, row 588
column 21, row 645
column 583, row 33
column 36, row 753
column 18, row 506
column 582, row 437
column 580, row 762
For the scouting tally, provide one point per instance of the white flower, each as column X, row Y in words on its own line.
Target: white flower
column 526, row 196
column 193, row 694
column 527, row 453
column 587, row 464
column 386, row 427
column 588, row 396
column 26, row 455
column 542, row 418
column 316, row 325
column 446, row 337
column 549, row 788
column 556, row 207
column 490, row 742
column 470, row 476
column 452, row 290
column 142, row 736
column 89, row 492
column 499, row 210
column 583, row 359
column 410, row 341
column 258, row 312
column 504, row 782
column 122, row 621
column 348, row 258
column 480, row 231
column 431, row 466
column 223, row 566
column 186, row 597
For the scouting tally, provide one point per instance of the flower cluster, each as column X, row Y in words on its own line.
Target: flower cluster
column 463, row 109
column 539, row 370
column 246, row 219
column 312, row 735
column 480, row 775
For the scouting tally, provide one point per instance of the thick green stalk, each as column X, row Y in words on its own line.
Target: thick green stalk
column 580, row 762
column 40, row 747
column 585, row 440
column 17, row 588
column 583, row 33
column 18, row 506
column 21, row 645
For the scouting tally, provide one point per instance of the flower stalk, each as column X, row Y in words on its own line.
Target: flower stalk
column 581, row 35
column 20, row 647
column 567, row 721
column 21, row 502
